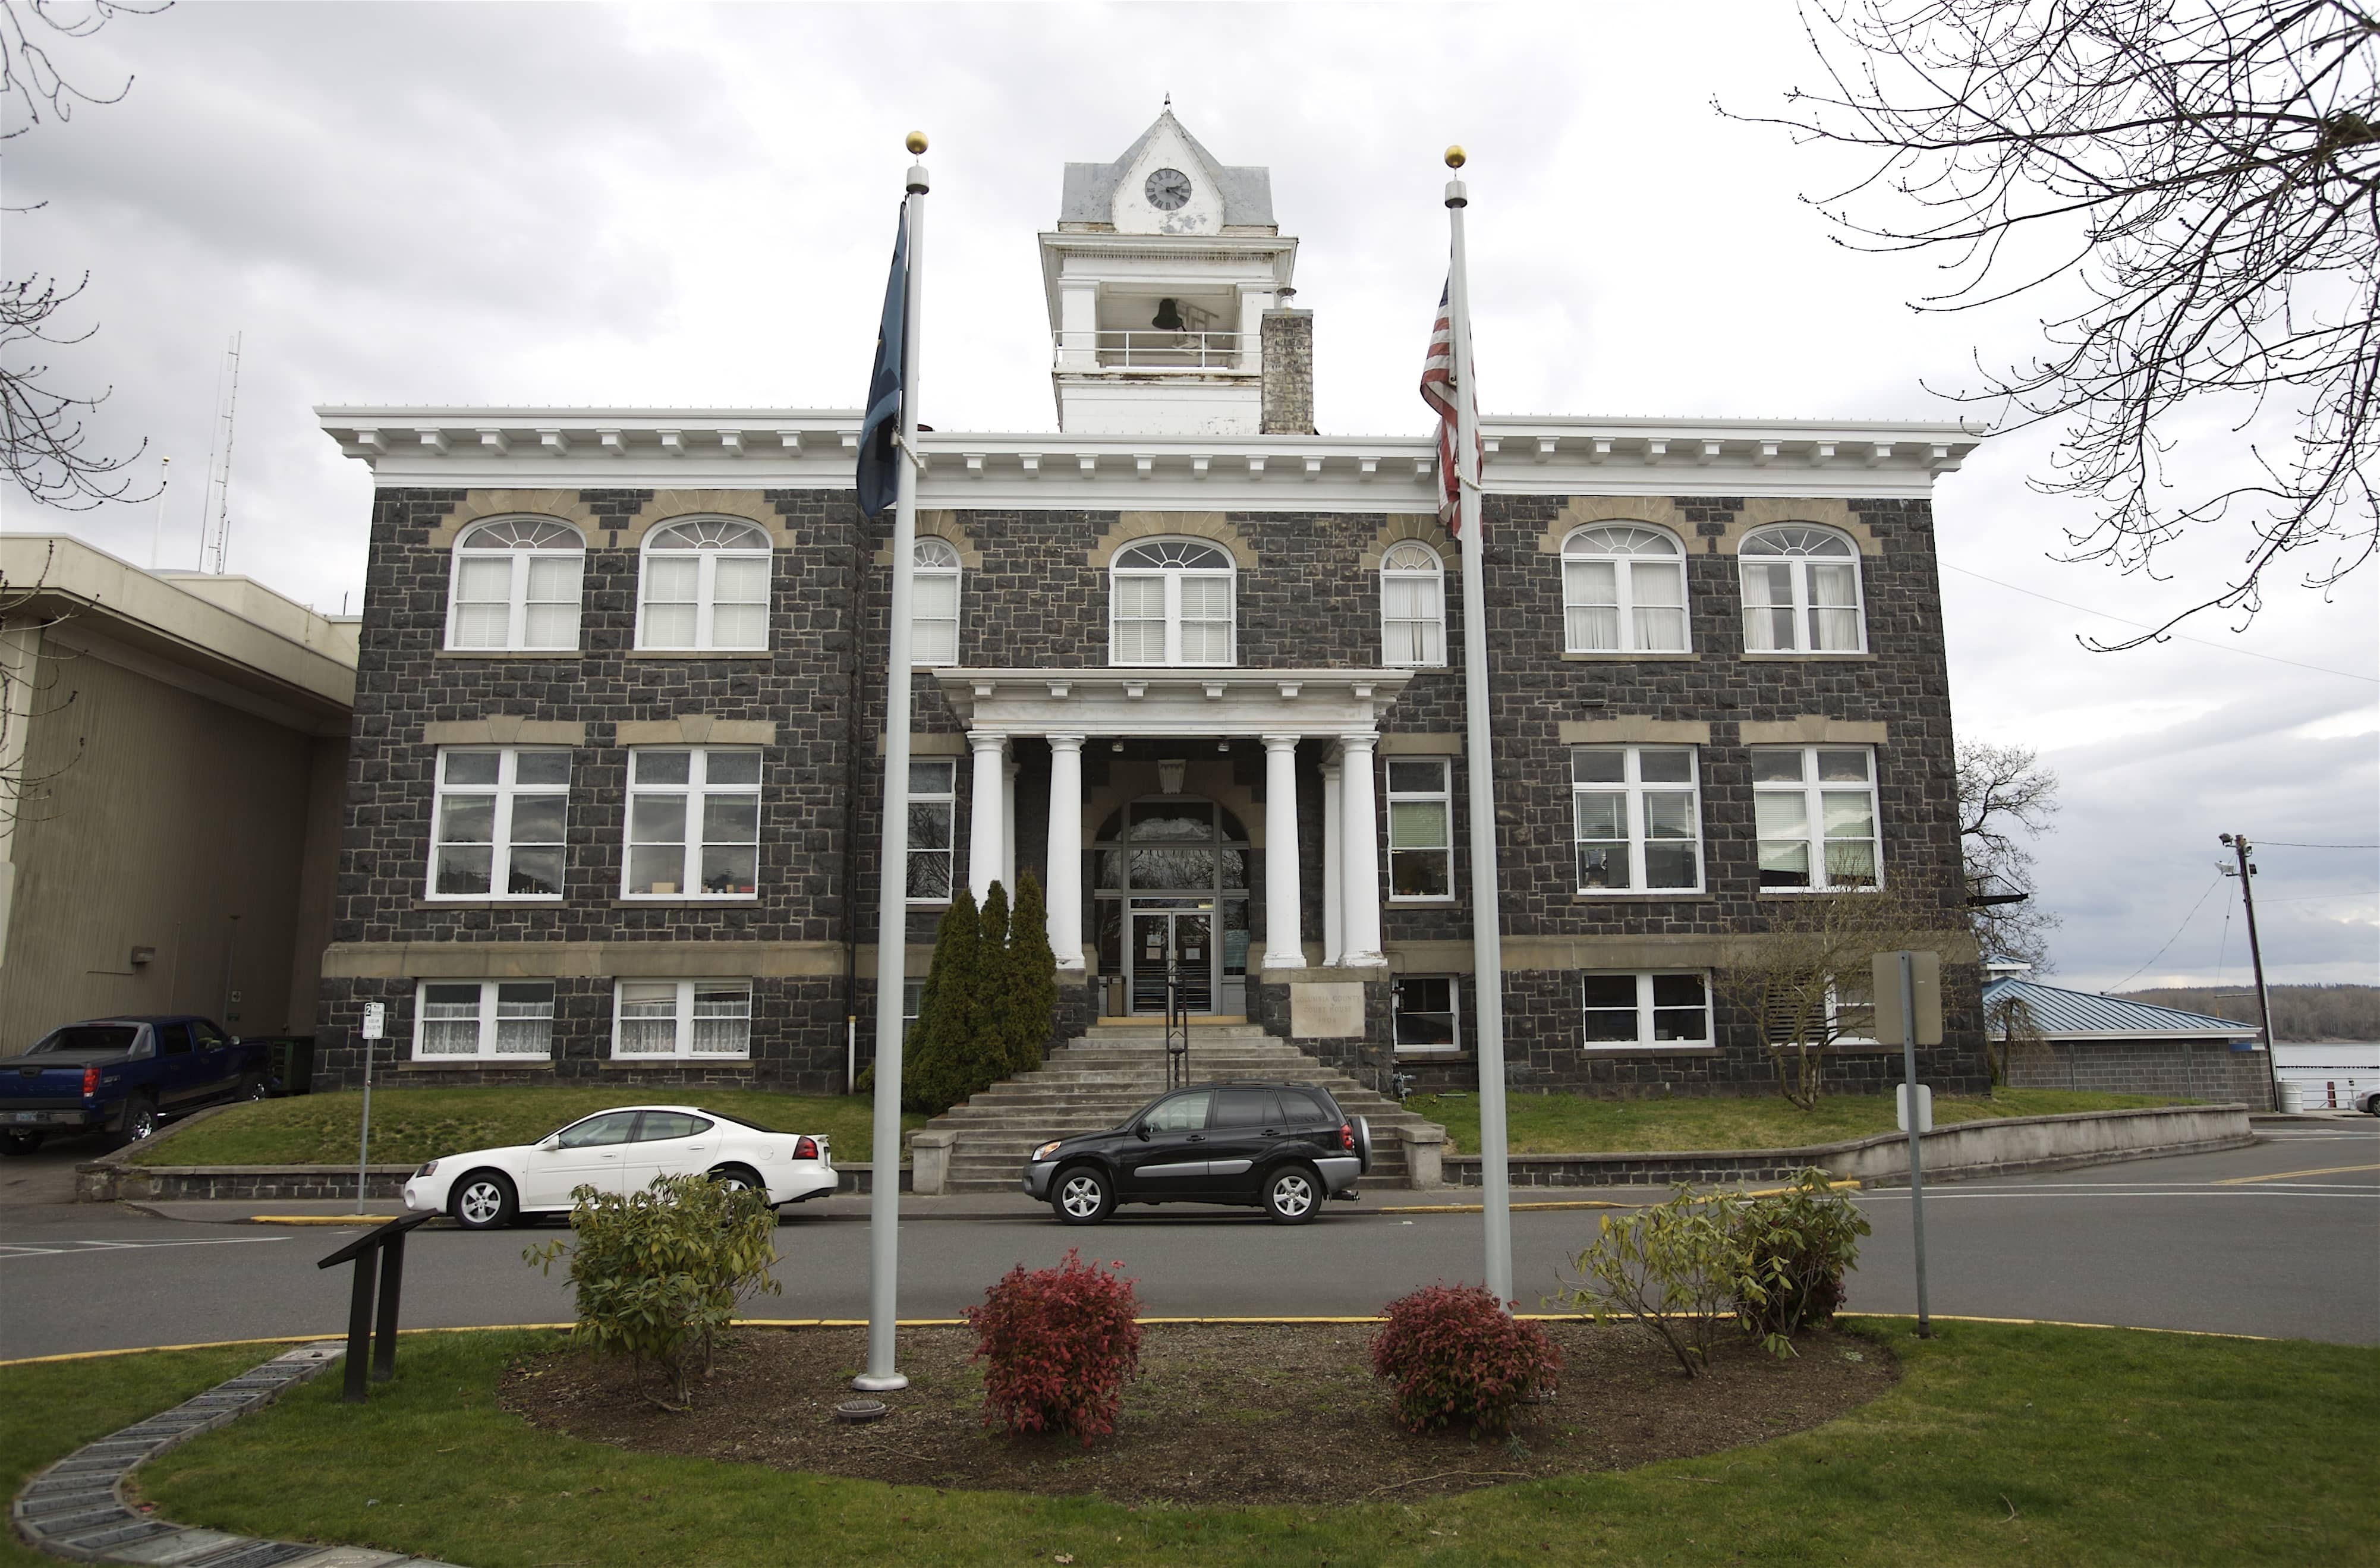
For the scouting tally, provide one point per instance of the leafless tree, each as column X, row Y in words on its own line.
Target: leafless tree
column 30, row 689
column 2010, row 1032
column 2209, row 172
column 1804, row 975
column 2006, row 798
column 45, row 445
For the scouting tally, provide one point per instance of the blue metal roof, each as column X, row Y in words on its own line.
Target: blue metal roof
column 2060, row 1014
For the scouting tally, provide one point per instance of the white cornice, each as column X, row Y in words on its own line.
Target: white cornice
column 1154, row 701
column 816, row 449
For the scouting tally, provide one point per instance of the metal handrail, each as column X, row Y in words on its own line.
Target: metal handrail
column 1177, row 1029
column 1148, row 348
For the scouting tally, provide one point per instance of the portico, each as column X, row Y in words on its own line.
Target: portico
column 1334, row 713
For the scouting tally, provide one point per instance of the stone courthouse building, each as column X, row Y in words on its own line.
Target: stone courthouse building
column 612, row 790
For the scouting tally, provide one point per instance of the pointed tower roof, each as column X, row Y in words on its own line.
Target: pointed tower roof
column 1089, row 198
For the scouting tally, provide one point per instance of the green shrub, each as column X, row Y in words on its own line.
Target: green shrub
column 1455, row 1354
column 1792, row 1247
column 659, row 1273
column 1670, row 1269
column 934, row 1062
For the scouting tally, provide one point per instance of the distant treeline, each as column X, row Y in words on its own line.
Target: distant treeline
column 2299, row 1013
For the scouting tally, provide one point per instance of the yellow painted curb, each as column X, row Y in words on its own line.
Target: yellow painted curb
column 322, row 1218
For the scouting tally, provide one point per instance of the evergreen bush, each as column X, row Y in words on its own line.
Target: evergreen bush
column 950, row 1013
column 1794, row 1247
column 1455, row 1354
column 1029, row 1001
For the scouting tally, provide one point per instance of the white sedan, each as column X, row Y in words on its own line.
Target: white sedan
column 619, row 1151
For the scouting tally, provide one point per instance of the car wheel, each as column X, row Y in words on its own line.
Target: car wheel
column 2371, row 1106
column 19, row 1143
column 253, row 1087
column 1084, row 1195
column 739, row 1178
column 1292, row 1194
column 484, row 1201
column 139, row 1122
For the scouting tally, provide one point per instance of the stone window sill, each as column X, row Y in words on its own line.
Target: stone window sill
column 1433, row 901
column 1805, row 658
column 1644, row 898
column 1628, row 658
column 629, row 1062
column 733, row 901
column 551, row 655
column 1810, row 892
column 1603, row 1049
column 523, row 1064
column 487, row 904
column 723, row 655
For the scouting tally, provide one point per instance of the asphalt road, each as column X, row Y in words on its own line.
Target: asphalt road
column 2281, row 1239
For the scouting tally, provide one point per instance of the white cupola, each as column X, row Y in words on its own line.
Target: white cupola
column 1159, row 275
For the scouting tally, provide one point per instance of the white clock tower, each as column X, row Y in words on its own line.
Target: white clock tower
column 1161, row 275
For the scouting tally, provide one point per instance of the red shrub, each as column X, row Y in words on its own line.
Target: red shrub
column 1456, row 1356
column 1061, row 1345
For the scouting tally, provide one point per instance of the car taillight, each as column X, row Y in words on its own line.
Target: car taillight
column 91, row 1080
column 1347, row 1136
column 805, row 1149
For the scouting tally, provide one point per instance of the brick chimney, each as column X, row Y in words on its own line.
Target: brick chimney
column 1288, row 372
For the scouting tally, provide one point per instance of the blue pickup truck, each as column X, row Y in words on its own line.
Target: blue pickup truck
column 123, row 1077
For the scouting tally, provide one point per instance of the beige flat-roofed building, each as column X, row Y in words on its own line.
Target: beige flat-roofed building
column 173, row 758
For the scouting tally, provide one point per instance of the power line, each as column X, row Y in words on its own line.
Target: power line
column 2143, row 625
column 2285, row 844
column 2171, row 940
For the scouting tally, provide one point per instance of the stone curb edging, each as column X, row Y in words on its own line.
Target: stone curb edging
column 113, row 1180
column 77, row 1508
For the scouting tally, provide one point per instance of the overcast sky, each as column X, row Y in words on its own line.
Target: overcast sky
column 564, row 204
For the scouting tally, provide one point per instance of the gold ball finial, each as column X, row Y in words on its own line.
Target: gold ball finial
column 1454, row 156
column 917, row 143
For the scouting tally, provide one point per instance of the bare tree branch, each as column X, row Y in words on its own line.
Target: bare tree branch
column 2006, row 798
column 2208, row 172
column 29, row 78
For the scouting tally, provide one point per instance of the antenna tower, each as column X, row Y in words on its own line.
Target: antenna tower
column 214, row 522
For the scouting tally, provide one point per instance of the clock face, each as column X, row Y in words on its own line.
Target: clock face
column 1167, row 189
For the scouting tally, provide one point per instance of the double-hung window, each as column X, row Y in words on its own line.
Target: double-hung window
column 1623, row 591
column 683, row 1019
column 934, row 603
column 1815, row 809
column 1413, row 606
column 1649, row 1010
column 1424, row 1008
column 1637, row 817
column 515, row 585
column 706, row 586
column 1421, row 830
column 694, row 822
column 483, row 1019
column 933, row 818
column 1801, row 593
column 497, row 823
column 1169, row 602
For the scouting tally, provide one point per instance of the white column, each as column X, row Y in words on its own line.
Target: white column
column 1334, row 891
column 1008, row 830
column 1284, row 947
column 1359, row 852
column 985, row 811
column 1062, row 884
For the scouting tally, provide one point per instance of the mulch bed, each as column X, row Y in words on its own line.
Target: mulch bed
column 1220, row 1413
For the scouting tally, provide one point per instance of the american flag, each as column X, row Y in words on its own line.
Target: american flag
column 1440, row 387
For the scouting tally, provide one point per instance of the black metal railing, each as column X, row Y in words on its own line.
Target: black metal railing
column 1177, row 1030
column 363, row 1334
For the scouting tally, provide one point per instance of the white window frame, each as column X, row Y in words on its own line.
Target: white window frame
column 1454, row 1013
column 533, row 539
column 1812, row 791
column 1415, row 642
column 1793, row 544
column 682, row 1019
column 507, row 791
column 697, row 790
column 946, row 797
column 489, row 1020
column 1631, row 788
column 1645, row 1022
column 938, row 559
column 1600, row 542
column 1442, row 796
column 708, row 541
column 1172, row 577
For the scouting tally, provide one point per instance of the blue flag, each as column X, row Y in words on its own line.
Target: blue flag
column 879, row 480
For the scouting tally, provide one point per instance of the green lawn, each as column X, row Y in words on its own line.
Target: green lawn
column 411, row 1125
column 1576, row 1124
column 48, row 1411
column 2001, row 1445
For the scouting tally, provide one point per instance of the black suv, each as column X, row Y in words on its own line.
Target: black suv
column 1283, row 1146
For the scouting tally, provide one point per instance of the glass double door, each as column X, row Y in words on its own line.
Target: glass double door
column 1177, row 942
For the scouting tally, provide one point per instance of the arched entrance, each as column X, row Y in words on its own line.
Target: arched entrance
column 1170, row 891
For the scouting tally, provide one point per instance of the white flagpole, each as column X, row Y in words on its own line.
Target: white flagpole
column 893, row 882
column 1487, row 916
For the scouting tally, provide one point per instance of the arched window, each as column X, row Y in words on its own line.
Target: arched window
column 934, row 603
column 516, row 585
column 1623, row 591
column 706, row 586
column 1170, row 604
column 1412, row 606
column 1801, row 593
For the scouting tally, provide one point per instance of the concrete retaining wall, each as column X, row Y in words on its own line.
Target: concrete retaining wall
column 1968, row 1148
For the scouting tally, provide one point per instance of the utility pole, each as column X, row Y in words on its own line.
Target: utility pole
column 2245, row 870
